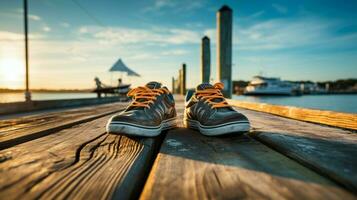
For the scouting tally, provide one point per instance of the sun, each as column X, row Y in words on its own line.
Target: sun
column 12, row 70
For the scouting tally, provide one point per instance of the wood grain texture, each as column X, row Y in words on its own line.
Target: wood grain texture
column 331, row 118
column 82, row 162
column 193, row 166
column 330, row 151
column 23, row 129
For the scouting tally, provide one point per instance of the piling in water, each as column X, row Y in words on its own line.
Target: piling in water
column 205, row 60
column 224, row 49
column 173, row 85
column 183, row 79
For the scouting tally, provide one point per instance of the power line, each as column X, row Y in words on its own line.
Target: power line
column 89, row 14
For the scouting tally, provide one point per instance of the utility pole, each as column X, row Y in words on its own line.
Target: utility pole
column 224, row 49
column 27, row 92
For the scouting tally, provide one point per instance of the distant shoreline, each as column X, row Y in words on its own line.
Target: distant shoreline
column 5, row 90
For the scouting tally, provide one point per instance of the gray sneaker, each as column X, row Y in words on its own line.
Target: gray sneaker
column 208, row 111
column 151, row 111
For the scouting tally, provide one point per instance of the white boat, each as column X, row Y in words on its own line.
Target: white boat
column 268, row 86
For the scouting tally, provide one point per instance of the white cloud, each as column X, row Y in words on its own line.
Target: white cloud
column 87, row 58
column 19, row 15
column 175, row 5
column 46, row 29
column 180, row 36
column 11, row 36
column 257, row 14
column 164, row 3
column 144, row 56
column 34, row 17
column 280, row 8
column 177, row 52
column 290, row 33
column 65, row 24
column 83, row 30
column 262, row 35
column 277, row 34
column 121, row 35
column 30, row 16
column 211, row 33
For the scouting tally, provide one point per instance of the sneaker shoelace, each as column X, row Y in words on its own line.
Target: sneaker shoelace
column 211, row 94
column 143, row 96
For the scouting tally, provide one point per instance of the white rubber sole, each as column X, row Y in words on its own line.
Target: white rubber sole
column 222, row 129
column 122, row 128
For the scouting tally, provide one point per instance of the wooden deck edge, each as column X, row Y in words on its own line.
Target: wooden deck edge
column 331, row 118
column 21, row 107
column 19, row 140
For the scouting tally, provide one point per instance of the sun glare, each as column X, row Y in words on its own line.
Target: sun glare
column 11, row 70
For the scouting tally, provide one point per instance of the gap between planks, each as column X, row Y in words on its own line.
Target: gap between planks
column 78, row 163
column 328, row 151
column 192, row 166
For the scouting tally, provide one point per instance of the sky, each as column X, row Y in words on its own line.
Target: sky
column 73, row 41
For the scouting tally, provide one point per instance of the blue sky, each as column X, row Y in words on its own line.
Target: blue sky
column 73, row 41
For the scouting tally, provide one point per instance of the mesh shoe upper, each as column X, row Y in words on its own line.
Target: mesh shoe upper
column 150, row 105
column 208, row 106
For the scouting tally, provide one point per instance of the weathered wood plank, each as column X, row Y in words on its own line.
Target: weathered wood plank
column 193, row 166
column 23, row 129
column 330, row 151
column 342, row 120
column 34, row 105
column 82, row 162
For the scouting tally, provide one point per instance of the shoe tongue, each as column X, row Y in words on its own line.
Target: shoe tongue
column 204, row 86
column 153, row 85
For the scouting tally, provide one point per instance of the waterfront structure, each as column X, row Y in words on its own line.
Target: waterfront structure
column 205, row 60
column 182, row 77
column 268, row 86
column 224, row 49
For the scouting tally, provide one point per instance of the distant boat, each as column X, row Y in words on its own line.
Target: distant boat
column 268, row 86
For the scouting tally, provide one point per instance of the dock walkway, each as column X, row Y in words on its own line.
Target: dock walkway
column 68, row 155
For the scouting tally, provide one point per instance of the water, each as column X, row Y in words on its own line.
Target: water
column 339, row 103
column 18, row 97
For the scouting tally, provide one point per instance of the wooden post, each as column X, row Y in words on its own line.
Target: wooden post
column 180, row 82
column 177, row 85
column 183, row 79
column 224, row 49
column 205, row 60
column 27, row 91
column 173, row 85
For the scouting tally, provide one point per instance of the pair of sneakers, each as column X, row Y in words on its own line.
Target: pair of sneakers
column 152, row 110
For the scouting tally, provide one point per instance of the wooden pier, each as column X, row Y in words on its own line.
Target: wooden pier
column 68, row 155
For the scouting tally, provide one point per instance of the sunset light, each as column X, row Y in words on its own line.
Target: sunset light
column 178, row 99
column 12, row 70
